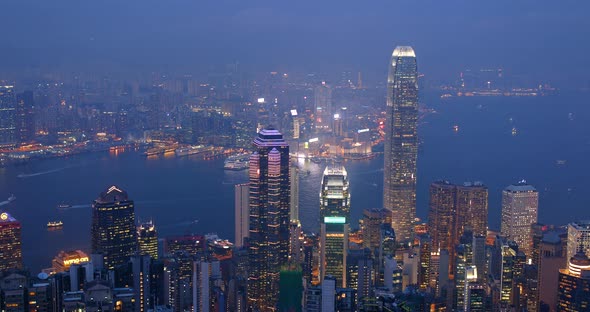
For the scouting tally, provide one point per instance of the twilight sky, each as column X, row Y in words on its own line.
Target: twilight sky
column 544, row 38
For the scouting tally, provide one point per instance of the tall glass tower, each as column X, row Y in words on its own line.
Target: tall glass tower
column 335, row 220
column 269, row 218
column 401, row 141
column 114, row 234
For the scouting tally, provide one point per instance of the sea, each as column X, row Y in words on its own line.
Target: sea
column 495, row 140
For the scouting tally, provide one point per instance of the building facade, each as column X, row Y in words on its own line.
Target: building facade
column 11, row 256
column 520, row 204
column 147, row 239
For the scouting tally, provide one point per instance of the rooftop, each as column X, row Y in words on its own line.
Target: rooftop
column 112, row 195
column 403, row 51
column 521, row 186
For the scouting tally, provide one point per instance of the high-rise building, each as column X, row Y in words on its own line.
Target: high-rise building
column 113, row 232
column 442, row 216
column 25, row 112
column 140, row 265
column 455, row 209
column 322, row 100
column 147, row 239
column 551, row 260
column 401, row 141
column 269, row 218
column 334, row 217
column 242, row 213
column 11, row 256
column 578, row 238
column 8, row 136
column 520, row 203
column 574, row 285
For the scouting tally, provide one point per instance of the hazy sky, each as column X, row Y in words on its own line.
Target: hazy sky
column 545, row 38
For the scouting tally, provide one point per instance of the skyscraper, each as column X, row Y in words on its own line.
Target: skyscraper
column 114, row 234
column 7, row 116
column 455, row 209
column 11, row 256
column 472, row 208
column 520, row 203
column 242, row 213
column 322, row 101
column 147, row 239
column 269, row 218
column 401, row 141
column 140, row 266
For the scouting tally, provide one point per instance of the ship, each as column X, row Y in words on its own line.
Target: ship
column 237, row 162
column 54, row 224
column 192, row 150
column 63, row 206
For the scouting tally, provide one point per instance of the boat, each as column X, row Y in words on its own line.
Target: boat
column 456, row 128
column 560, row 162
column 237, row 162
column 64, row 206
column 54, row 224
column 11, row 198
column 514, row 131
column 192, row 150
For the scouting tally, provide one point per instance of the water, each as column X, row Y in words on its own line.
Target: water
column 186, row 194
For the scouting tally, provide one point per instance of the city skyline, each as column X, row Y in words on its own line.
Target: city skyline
column 301, row 175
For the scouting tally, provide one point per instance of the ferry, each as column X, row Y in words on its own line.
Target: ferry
column 54, row 224
column 237, row 162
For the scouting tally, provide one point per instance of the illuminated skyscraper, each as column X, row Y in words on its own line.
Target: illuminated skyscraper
column 114, row 234
column 269, row 218
column 401, row 141
column 11, row 256
column 147, row 239
column 574, row 285
column 334, row 217
column 8, row 136
column 322, row 101
column 520, row 203
column 455, row 209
